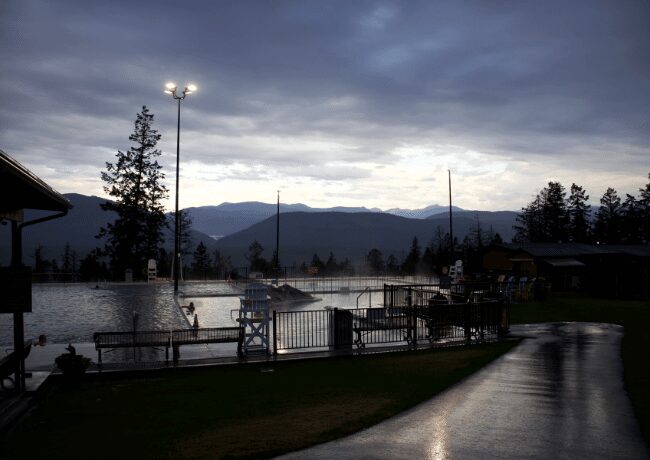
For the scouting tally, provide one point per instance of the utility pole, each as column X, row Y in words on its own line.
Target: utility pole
column 451, row 227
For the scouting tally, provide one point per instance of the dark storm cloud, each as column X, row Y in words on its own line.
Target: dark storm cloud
column 511, row 78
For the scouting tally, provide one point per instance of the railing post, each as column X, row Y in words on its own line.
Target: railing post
column 482, row 318
column 275, row 334
column 414, row 332
column 504, row 317
column 466, row 321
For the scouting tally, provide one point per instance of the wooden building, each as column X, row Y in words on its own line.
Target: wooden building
column 621, row 271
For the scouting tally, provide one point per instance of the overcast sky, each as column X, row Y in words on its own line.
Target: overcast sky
column 352, row 103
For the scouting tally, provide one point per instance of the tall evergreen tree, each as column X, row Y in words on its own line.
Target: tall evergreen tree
column 257, row 262
column 202, row 263
column 477, row 235
column 134, row 182
column 529, row 227
column 579, row 215
column 546, row 218
column 331, row 266
column 631, row 223
column 41, row 265
column 644, row 211
column 66, row 259
column 555, row 214
column 375, row 262
column 412, row 261
column 607, row 228
column 392, row 265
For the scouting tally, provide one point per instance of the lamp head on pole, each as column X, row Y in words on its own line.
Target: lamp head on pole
column 170, row 88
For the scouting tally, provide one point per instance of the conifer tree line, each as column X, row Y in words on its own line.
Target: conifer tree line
column 417, row 261
column 557, row 215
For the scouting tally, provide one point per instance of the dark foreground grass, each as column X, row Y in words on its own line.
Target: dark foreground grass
column 633, row 315
column 238, row 411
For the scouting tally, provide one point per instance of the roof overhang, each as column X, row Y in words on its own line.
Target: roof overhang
column 20, row 189
column 564, row 262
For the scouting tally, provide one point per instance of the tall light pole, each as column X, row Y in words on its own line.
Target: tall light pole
column 176, row 263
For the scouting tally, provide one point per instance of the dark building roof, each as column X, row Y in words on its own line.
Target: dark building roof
column 563, row 249
column 572, row 250
column 564, row 262
column 21, row 189
column 637, row 250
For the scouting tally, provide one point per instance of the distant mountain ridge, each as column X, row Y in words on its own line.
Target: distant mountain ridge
column 346, row 231
column 351, row 235
column 422, row 213
column 229, row 218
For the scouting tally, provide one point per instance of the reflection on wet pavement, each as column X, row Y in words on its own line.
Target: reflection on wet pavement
column 559, row 394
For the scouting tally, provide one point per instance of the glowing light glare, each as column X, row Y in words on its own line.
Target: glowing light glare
column 190, row 88
column 168, row 91
column 170, row 86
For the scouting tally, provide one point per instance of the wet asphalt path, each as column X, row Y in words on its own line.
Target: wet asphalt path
column 559, row 394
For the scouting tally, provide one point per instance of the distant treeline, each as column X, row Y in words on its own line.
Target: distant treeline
column 554, row 217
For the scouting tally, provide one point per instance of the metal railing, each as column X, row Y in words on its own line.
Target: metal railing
column 343, row 284
column 476, row 320
column 301, row 329
column 424, row 294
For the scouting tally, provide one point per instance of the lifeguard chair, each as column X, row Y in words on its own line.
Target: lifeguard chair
column 152, row 270
column 254, row 319
column 456, row 271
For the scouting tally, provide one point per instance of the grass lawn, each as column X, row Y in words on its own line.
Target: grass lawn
column 238, row 411
column 633, row 315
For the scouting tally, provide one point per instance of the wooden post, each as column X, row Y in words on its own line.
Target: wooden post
column 19, row 325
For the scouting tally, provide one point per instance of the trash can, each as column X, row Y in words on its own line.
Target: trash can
column 341, row 337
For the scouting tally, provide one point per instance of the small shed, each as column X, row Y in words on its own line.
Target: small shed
column 20, row 190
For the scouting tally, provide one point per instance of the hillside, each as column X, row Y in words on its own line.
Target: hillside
column 228, row 218
column 347, row 235
column 501, row 222
column 78, row 228
column 348, row 232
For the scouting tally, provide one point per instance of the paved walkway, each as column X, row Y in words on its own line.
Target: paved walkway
column 559, row 394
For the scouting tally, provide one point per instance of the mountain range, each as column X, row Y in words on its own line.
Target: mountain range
column 228, row 218
column 231, row 227
column 353, row 235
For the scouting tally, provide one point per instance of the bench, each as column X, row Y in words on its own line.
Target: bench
column 366, row 326
column 167, row 339
column 9, row 365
